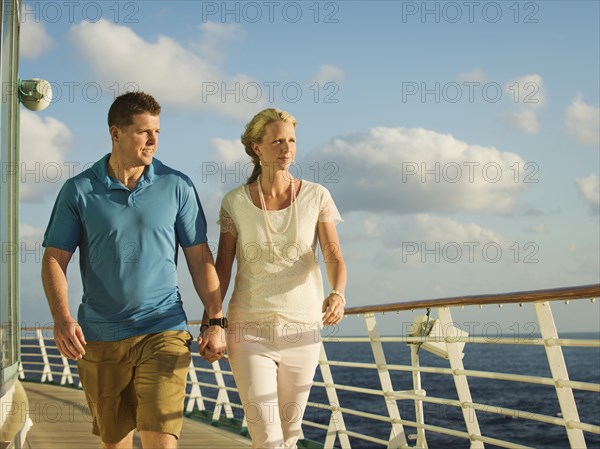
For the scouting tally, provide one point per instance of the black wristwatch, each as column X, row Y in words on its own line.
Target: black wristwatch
column 215, row 322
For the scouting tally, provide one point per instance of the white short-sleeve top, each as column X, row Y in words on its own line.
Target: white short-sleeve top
column 278, row 275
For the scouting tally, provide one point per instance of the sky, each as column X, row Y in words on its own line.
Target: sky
column 459, row 140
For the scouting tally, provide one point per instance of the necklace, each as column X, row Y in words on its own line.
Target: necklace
column 293, row 211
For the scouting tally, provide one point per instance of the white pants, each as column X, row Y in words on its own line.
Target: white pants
column 274, row 366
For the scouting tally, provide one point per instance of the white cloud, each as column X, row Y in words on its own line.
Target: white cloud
column 215, row 35
column 429, row 238
column 372, row 227
column 472, row 76
column 172, row 73
column 529, row 93
column 537, row 229
column 443, row 230
column 43, row 147
column 524, row 120
column 527, row 90
column 361, row 227
column 329, row 73
column 34, row 40
column 583, row 121
column 408, row 170
column 229, row 165
column 30, row 235
column 229, row 151
column 589, row 189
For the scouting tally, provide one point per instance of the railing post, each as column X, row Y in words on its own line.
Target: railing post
column 337, row 426
column 460, row 380
column 66, row 374
column 47, row 371
column 222, row 396
column 195, row 392
column 244, row 427
column 419, row 414
column 398, row 435
column 559, row 371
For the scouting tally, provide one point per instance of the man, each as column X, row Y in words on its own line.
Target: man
column 128, row 214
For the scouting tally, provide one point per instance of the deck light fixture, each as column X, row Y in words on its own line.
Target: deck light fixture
column 35, row 94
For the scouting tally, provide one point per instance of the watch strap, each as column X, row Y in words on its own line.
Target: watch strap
column 222, row 322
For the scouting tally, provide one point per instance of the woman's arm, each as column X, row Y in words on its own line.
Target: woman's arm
column 223, row 266
column 333, row 306
column 225, row 258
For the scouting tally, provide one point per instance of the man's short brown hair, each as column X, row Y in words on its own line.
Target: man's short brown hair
column 125, row 106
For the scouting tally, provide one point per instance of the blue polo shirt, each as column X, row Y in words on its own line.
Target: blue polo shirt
column 128, row 242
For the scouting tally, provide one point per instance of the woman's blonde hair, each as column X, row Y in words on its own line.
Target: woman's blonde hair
column 255, row 131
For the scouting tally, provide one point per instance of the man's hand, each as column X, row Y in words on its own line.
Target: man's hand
column 67, row 333
column 211, row 343
column 69, row 339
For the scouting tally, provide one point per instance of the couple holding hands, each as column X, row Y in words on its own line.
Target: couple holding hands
column 128, row 214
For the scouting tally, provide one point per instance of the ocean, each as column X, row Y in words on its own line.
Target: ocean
column 583, row 365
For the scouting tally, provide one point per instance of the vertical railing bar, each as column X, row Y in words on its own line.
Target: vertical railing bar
column 336, row 421
column 419, row 412
column 559, row 371
column 66, row 374
column 398, row 435
column 244, row 428
column 195, row 393
column 46, row 372
column 460, row 380
column 222, row 396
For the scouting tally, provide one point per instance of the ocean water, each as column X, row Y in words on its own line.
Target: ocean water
column 583, row 365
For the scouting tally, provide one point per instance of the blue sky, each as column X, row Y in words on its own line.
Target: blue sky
column 460, row 140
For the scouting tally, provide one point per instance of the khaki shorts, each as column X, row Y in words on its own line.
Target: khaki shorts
column 136, row 383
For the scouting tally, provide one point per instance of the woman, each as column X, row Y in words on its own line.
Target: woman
column 271, row 225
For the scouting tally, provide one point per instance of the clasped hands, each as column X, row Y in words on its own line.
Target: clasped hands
column 211, row 343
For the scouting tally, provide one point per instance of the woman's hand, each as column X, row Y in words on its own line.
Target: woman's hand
column 333, row 309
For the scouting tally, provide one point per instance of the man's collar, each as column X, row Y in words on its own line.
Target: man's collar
column 100, row 169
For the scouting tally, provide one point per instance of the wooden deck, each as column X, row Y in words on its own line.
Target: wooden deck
column 61, row 420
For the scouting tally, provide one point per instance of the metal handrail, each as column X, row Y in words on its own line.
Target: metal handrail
column 552, row 294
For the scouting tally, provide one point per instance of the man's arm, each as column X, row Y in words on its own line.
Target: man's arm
column 68, row 335
column 206, row 282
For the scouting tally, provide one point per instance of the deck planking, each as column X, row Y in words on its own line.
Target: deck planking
column 62, row 420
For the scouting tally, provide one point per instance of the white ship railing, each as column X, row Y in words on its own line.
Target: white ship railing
column 431, row 327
